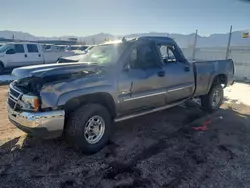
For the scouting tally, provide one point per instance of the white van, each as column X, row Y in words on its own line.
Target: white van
column 18, row 54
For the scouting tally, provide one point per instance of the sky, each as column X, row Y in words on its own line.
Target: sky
column 120, row 17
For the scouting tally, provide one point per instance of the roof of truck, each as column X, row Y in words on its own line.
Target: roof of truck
column 157, row 39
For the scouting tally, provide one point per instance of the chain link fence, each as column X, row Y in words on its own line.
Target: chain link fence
column 235, row 45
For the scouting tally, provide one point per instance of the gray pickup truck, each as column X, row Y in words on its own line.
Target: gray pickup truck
column 114, row 82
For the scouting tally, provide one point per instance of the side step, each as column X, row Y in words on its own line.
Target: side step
column 122, row 118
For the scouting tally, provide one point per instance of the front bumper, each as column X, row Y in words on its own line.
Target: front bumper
column 41, row 124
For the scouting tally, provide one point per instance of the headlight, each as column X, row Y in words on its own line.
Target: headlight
column 30, row 102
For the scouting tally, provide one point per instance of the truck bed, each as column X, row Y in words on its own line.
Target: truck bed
column 206, row 71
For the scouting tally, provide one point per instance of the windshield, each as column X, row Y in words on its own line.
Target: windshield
column 104, row 54
column 5, row 47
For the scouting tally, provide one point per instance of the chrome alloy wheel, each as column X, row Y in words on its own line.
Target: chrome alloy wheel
column 94, row 129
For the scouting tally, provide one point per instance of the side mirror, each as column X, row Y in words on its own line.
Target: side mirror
column 10, row 51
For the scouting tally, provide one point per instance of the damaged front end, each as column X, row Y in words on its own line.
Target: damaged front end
column 29, row 85
column 31, row 89
column 24, row 94
column 32, row 100
column 24, row 110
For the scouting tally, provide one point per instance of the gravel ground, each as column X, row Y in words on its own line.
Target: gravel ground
column 158, row 150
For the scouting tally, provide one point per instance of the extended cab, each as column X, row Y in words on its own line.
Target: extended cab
column 114, row 82
column 19, row 54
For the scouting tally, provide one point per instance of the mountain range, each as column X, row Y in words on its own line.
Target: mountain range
column 213, row 40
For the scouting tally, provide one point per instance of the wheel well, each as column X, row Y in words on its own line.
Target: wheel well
column 220, row 79
column 104, row 99
column 1, row 63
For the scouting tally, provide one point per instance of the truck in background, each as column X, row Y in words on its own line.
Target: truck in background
column 18, row 54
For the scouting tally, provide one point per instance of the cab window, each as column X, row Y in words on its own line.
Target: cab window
column 167, row 53
column 143, row 56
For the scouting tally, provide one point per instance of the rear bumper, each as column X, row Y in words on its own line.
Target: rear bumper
column 41, row 124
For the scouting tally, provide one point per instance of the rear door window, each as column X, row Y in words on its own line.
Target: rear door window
column 32, row 48
column 167, row 53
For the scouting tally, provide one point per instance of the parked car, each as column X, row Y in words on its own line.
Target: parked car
column 70, row 59
column 72, row 47
column 74, row 58
column 114, row 82
column 61, row 47
column 89, row 48
column 80, row 50
column 53, row 47
column 48, row 47
column 19, row 54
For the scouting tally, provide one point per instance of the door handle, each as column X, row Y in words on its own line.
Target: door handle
column 39, row 55
column 161, row 73
column 25, row 55
column 187, row 69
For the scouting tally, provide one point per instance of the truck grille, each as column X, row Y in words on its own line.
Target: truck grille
column 14, row 96
column 14, row 93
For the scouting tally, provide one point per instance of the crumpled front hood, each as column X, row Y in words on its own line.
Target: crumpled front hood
column 32, row 78
column 43, row 71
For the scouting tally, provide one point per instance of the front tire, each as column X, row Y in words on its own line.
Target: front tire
column 213, row 100
column 88, row 129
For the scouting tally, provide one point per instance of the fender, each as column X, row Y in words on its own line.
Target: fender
column 3, row 60
column 65, row 97
column 212, row 78
column 220, row 68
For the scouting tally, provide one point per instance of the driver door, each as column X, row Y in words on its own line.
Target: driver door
column 16, row 56
column 144, row 86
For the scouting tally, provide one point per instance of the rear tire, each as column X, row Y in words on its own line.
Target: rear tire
column 79, row 129
column 213, row 100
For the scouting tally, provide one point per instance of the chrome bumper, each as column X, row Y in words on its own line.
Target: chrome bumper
column 42, row 124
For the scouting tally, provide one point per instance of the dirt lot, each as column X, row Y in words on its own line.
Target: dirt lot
column 157, row 150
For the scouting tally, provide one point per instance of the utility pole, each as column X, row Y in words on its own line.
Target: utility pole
column 229, row 42
column 194, row 46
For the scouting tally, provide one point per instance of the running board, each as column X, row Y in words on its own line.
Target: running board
column 122, row 118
